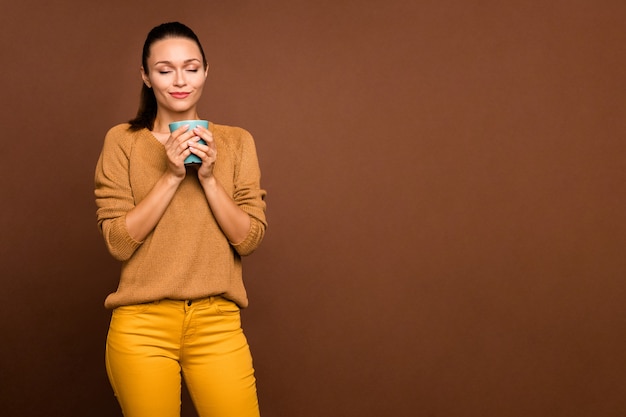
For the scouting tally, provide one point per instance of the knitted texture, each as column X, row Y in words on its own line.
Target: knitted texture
column 186, row 256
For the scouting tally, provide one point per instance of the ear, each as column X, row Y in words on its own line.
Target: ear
column 206, row 71
column 145, row 78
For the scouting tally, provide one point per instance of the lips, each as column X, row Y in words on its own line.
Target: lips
column 180, row 95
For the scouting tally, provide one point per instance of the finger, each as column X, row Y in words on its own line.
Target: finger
column 207, row 154
column 199, row 142
column 180, row 143
column 208, row 148
column 181, row 135
column 204, row 133
column 176, row 133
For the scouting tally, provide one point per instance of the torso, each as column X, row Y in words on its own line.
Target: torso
column 161, row 137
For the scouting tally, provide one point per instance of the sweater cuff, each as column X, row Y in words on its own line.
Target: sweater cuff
column 252, row 240
column 121, row 244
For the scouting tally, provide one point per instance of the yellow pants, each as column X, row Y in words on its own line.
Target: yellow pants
column 148, row 346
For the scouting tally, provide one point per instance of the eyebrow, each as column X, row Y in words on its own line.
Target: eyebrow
column 187, row 61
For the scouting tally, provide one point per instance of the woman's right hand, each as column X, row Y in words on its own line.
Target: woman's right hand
column 177, row 149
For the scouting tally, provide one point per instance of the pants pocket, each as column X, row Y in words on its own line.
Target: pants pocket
column 226, row 307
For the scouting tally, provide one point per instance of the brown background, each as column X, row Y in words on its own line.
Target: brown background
column 446, row 200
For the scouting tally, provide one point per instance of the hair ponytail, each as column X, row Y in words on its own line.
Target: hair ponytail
column 147, row 110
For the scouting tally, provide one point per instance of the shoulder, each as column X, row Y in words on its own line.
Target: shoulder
column 230, row 132
column 120, row 136
column 120, row 132
column 119, row 129
column 232, row 136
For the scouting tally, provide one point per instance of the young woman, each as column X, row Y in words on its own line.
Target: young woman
column 180, row 233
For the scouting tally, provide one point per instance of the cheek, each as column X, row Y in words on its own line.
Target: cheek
column 158, row 85
column 199, row 82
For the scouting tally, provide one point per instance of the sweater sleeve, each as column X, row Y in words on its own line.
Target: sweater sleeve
column 248, row 194
column 114, row 197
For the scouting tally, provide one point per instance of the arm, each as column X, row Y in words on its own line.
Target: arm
column 143, row 218
column 234, row 222
column 125, row 224
column 241, row 216
column 114, row 197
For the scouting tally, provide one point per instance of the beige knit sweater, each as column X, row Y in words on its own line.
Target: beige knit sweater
column 186, row 256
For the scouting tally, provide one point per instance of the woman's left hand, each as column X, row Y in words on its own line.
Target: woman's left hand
column 207, row 153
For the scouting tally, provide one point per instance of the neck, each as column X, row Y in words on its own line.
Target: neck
column 162, row 121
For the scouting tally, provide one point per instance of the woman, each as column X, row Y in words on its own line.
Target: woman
column 180, row 233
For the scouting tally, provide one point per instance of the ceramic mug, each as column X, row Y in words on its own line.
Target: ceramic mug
column 191, row 159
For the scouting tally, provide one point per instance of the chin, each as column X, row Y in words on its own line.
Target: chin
column 182, row 110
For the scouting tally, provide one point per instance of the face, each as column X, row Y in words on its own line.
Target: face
column 176, row 74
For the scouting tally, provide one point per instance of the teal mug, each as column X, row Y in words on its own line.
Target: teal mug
column 191, row 159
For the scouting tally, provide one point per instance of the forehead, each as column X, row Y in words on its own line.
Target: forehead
column 174, row 50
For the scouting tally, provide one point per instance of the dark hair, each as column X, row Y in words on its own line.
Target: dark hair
column 147, row 102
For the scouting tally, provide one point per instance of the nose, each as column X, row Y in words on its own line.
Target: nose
column 180, row 78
